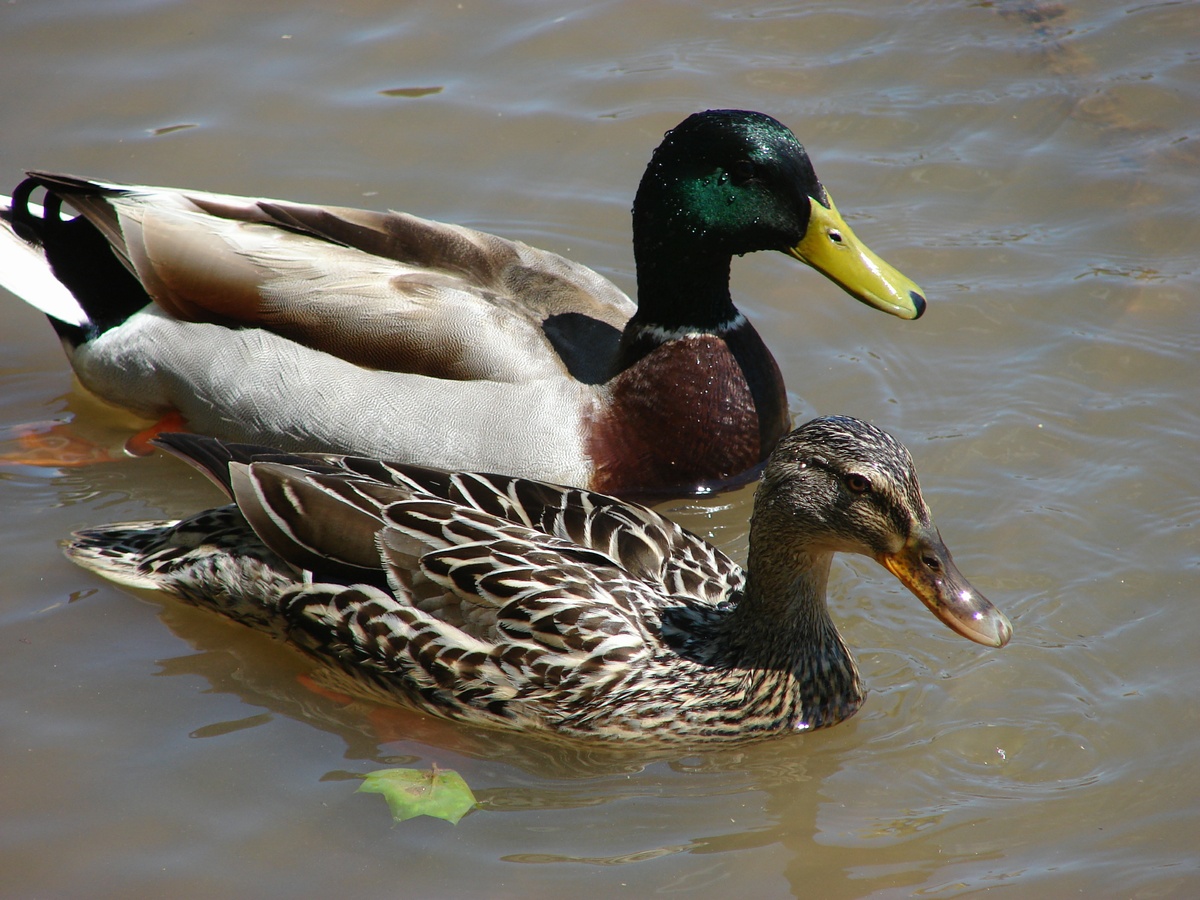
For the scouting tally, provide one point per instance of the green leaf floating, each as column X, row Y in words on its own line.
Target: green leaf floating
column 440, row 793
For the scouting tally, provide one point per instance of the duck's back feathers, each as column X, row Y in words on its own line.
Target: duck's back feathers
column 387, row 291
column 290, row 493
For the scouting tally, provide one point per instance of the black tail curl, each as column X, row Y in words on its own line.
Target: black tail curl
column 79, row 254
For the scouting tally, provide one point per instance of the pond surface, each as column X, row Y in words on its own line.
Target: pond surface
column 1034, row 166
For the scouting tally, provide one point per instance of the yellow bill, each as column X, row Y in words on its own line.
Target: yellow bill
column 830, row 247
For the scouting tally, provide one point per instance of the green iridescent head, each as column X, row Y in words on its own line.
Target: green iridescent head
column 727, row 182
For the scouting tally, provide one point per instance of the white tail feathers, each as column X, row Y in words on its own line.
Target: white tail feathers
column 25, row 271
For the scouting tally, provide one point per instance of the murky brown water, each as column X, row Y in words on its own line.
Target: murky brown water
column 1033, row 165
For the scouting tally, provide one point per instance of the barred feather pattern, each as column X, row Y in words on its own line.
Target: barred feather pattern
column 503, row 600
column 523, row 604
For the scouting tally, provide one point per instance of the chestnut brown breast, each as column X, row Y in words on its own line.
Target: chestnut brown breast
column 697, row 410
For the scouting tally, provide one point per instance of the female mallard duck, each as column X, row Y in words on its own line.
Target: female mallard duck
column 523, row 604
column 321, row 328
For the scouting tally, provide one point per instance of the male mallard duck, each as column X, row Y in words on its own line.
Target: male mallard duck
column 527, row 605
column 321, row 328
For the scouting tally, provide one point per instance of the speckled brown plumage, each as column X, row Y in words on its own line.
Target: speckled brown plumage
column 526, row 605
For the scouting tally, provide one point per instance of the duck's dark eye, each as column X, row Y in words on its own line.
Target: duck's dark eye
column 742, row 171
column 857, row 484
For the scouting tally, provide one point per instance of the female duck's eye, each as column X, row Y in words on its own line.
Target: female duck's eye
column 741, row 171
column 857, row 484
